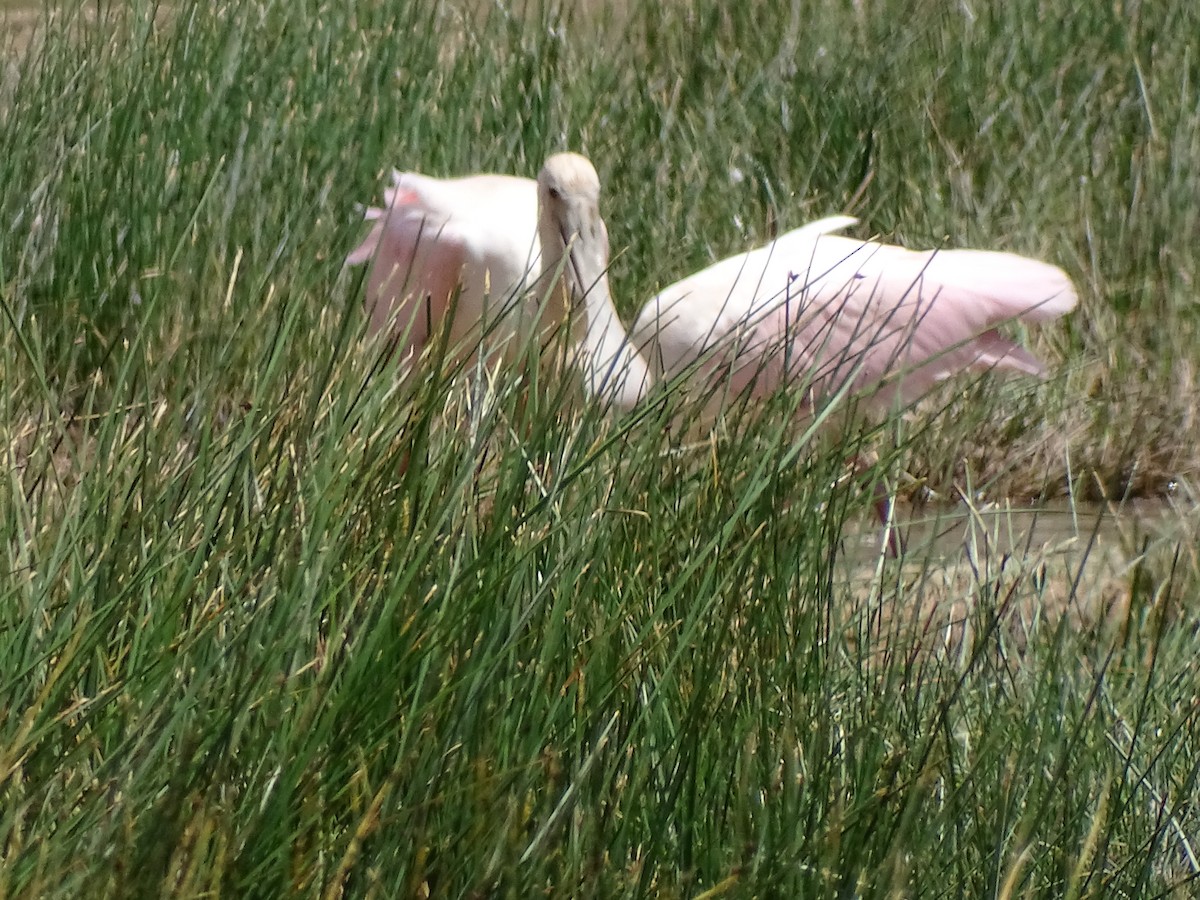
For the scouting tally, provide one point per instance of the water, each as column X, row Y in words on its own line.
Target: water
column 945, row 531
column 1031, row 567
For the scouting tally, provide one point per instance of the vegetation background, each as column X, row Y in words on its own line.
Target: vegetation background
column 245, row 651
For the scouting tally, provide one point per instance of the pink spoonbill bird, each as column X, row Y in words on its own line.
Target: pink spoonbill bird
column 812, row 305
column 813, row 309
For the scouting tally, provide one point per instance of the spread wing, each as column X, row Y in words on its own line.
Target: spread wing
column 825, row 311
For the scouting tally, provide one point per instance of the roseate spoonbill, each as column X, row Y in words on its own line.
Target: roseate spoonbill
column 828, row 310
column 464, row 248
column 813, row 309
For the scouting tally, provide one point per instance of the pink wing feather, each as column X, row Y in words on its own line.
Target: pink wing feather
column 470, row 242
column 828, row 311
column 416, row 263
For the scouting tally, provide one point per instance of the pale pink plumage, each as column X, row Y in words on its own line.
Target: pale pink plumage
column 826, row 311
column 460, row 248
column 811, row 308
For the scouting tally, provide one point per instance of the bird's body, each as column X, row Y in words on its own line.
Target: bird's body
column 812, row 309
column 459, row 253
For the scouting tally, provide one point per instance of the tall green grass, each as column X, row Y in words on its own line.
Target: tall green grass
column 275, row 622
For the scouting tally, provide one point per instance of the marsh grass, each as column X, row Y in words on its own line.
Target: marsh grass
column 278, row 622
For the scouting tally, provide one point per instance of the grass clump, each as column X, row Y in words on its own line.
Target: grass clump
column 275, row 622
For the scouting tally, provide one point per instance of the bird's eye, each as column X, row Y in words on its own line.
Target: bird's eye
column 555, row 193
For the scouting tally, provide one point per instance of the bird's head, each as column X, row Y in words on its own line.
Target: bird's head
column 574, row 238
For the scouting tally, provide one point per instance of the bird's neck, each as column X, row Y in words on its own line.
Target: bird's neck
column 614, row 371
